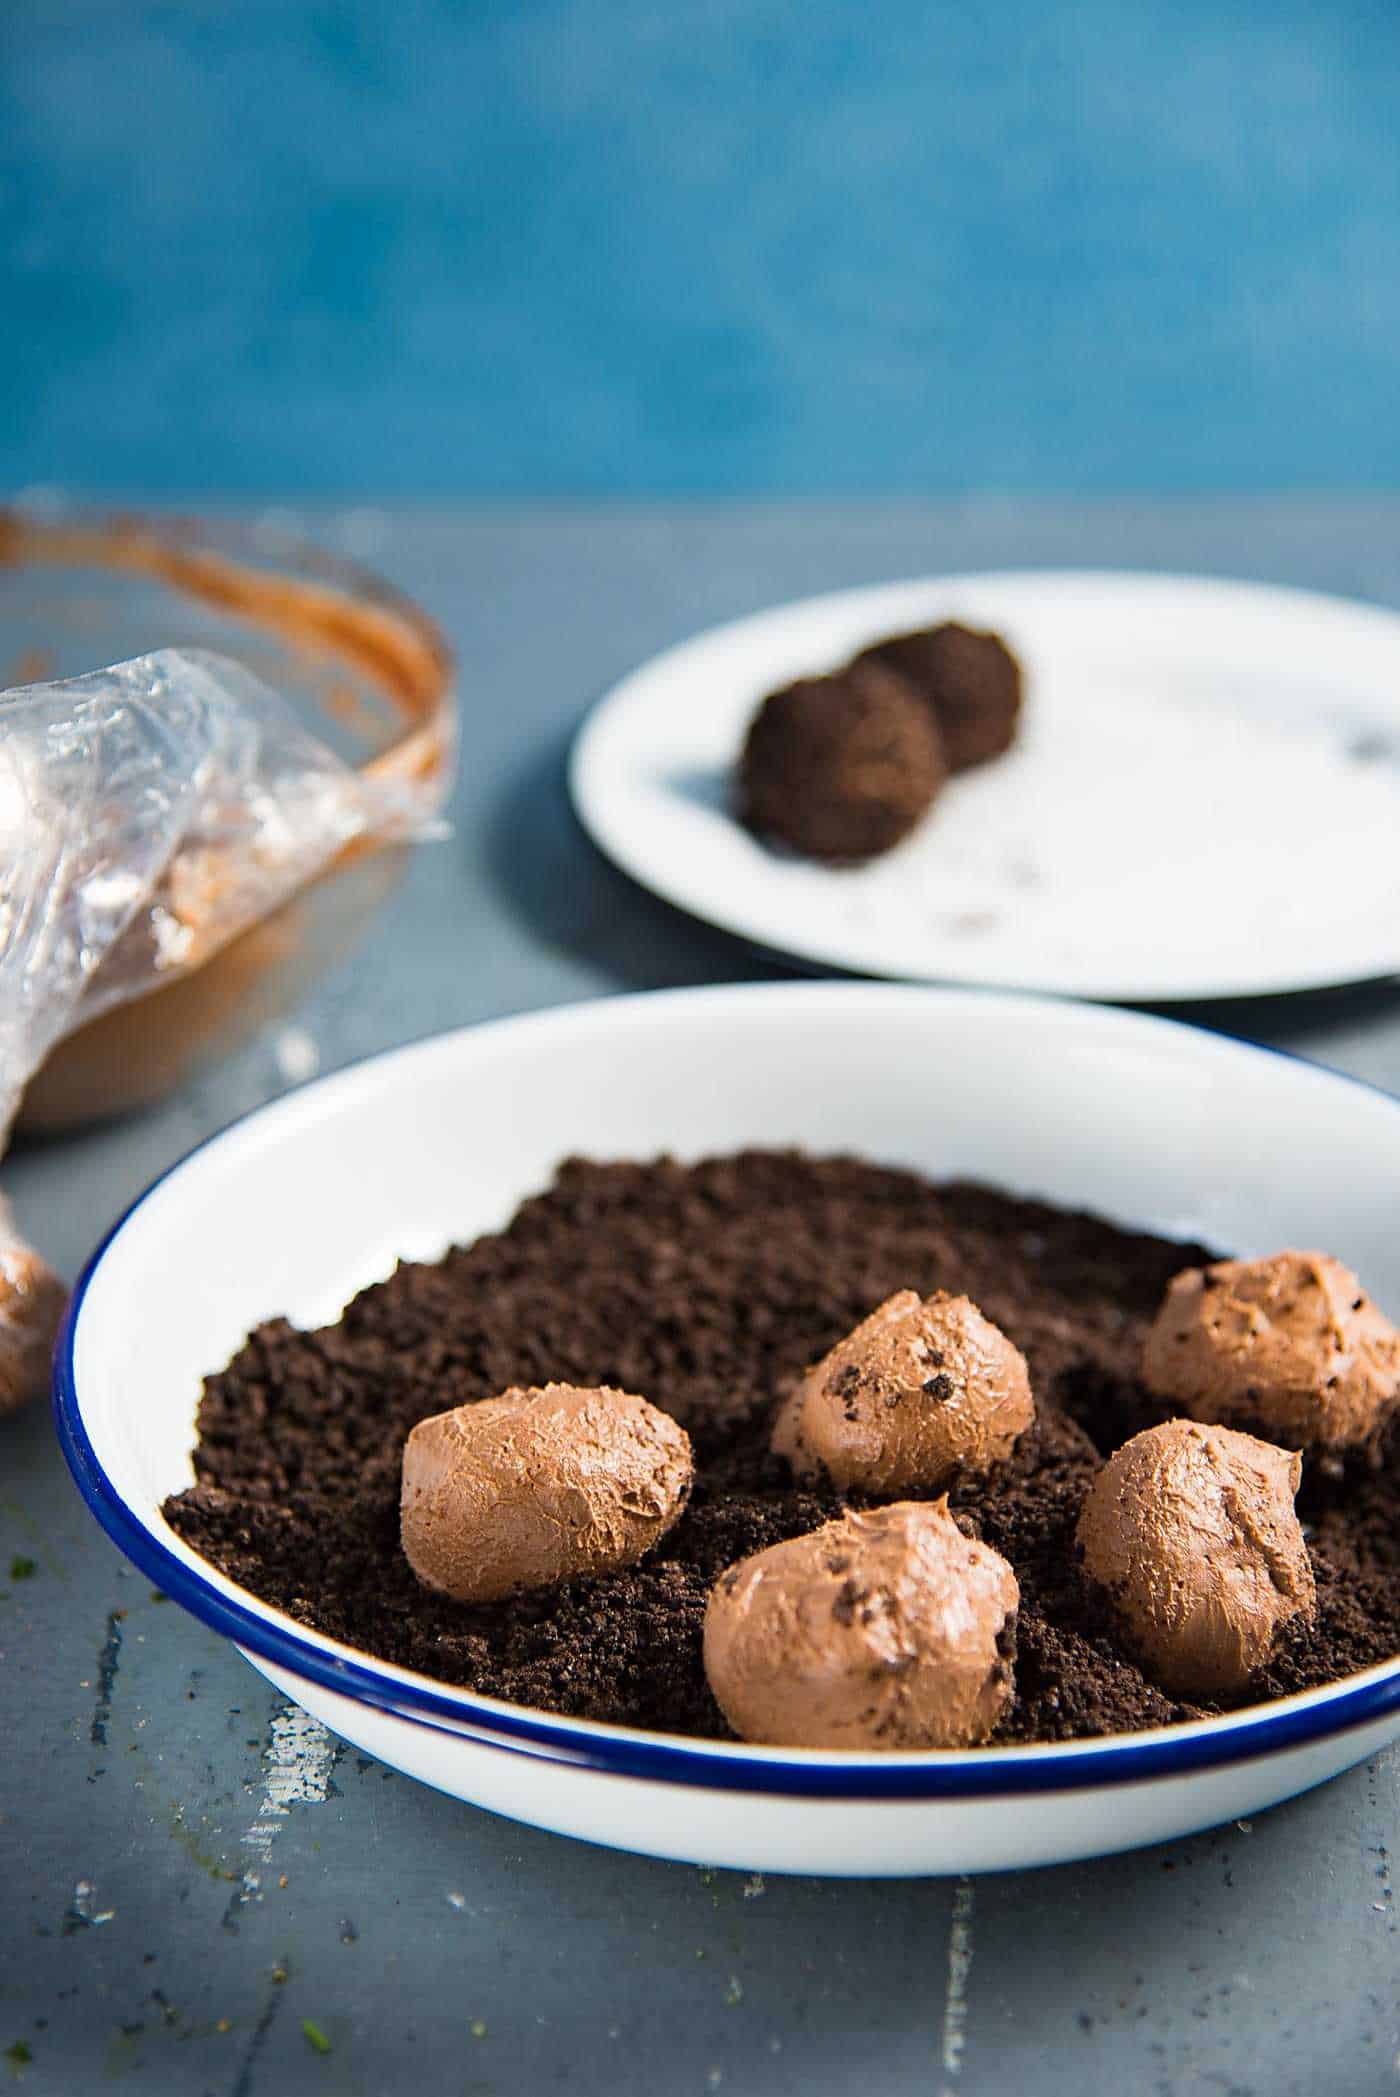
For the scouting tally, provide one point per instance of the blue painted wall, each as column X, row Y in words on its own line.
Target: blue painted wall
column 699, row 245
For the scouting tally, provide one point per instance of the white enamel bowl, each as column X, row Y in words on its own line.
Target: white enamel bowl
column 295, row 1208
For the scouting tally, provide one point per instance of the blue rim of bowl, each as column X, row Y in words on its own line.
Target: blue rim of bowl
column 1080, row 1765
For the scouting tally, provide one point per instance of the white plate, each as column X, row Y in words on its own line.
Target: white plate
column 1204, row 801
column 303, row 1203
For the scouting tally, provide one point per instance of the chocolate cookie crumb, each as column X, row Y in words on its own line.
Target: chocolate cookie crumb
column 709, row 1288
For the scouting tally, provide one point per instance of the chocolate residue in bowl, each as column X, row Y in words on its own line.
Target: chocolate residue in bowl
column 709, row 1289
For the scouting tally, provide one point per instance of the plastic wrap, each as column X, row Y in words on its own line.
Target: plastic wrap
column 149, row 813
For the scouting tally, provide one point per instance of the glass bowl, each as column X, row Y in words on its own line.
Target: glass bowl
column 366, row 669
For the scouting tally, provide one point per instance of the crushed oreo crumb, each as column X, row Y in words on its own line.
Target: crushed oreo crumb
column 708, row 1289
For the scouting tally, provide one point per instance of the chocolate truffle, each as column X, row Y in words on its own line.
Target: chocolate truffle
column 842, row 767
column 1190, row 1532
column 32, row 1300
column 537, row 1487
column 918, row 1393
column 971, row 680
column 1289, row 1345
column 882, row 1630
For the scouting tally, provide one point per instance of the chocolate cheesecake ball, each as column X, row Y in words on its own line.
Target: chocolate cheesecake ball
column 920, row 1392
column 883, row 1630
column 1291, row 1346
column 537, row 1487
column 32, row 1303
column 840, row 768
column 970, row 679
column 1191, row 1533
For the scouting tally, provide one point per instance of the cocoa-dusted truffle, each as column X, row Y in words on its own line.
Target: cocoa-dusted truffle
column 842, row 767
column 1291, row 1346
column 537, row 1487
column 971, row 680
column 1191, row 1533
column 919, row 1392
column 882, row 1630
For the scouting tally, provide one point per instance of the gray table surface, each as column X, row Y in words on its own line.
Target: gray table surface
column 146, row 1769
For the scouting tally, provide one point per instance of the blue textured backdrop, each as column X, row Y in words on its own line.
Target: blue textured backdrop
column 654, row 245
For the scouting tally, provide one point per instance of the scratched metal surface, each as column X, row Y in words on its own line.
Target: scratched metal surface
column 203, row 1894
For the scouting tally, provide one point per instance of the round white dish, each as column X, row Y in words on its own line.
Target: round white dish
column 304, row 1202
column 1203, row 802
